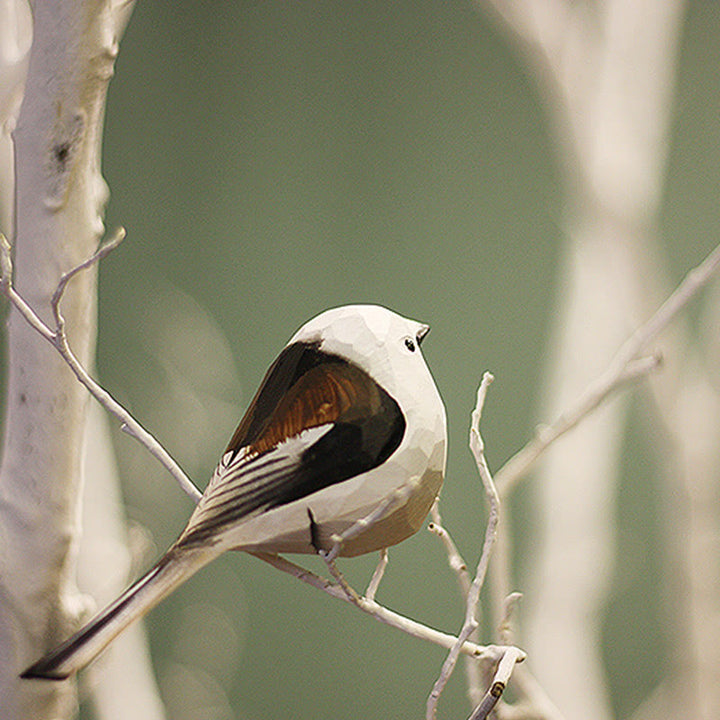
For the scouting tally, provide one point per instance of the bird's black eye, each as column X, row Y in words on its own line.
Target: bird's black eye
column 410, row 344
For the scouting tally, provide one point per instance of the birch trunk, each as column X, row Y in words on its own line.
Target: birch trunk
column 60, row 197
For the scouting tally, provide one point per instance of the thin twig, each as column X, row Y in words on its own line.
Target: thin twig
column 350, row 593
column 23, row 308
column 397, row 498
column 377, row 576
column 103, row 250
column 471, row 623
column 478, row 450
column 625, row 366
column 58, row 339
column 455, row 559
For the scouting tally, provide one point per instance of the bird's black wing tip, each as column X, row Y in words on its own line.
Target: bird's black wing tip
column 38, row 671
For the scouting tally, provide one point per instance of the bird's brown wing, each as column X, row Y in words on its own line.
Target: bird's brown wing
column 303, row 388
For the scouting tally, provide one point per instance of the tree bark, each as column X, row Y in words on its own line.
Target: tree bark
column 60, row 198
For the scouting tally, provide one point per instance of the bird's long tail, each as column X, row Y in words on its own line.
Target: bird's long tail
column 173, row 568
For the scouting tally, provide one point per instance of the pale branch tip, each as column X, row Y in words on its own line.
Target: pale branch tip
column 476, row 442
column 641, row 367
column 102, row 251
column 505, row 629
column 482, row 390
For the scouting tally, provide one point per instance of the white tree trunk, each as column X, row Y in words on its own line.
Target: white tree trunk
column 606, row 70
column 60, row 198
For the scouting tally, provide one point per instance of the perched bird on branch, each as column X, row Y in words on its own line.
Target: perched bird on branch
column 346, row 418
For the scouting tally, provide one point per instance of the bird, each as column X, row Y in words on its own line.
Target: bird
column 347, row 417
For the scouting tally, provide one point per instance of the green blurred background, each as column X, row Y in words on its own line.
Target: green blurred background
column 273, row 159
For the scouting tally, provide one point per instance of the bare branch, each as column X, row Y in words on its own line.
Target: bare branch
column 455, row 560
column 58, row 339
column 626, row 366
column 377, row 575
column 486, row 653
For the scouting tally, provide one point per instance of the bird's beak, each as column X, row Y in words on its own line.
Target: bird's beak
column 421, row 333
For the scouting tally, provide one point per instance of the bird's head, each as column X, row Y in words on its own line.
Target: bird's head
column 381, row 342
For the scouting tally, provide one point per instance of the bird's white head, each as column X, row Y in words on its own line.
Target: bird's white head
column 384, row 344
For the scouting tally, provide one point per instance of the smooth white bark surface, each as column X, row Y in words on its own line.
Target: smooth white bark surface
column 606, row 71
column 60, row 199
